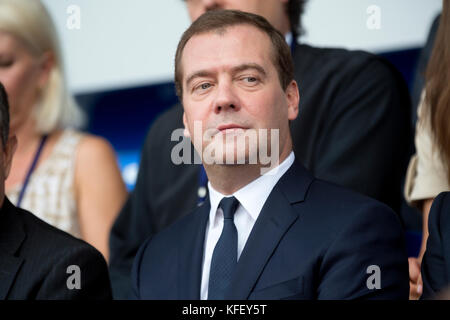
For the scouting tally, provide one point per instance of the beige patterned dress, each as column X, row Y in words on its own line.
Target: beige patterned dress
column 426, row 176
column 50, row 193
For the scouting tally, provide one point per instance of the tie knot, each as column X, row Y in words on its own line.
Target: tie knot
column 229, row 206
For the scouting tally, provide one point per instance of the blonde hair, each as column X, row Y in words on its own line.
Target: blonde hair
column 29, row 21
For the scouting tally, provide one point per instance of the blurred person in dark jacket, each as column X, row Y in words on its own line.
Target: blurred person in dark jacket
column 38, row 261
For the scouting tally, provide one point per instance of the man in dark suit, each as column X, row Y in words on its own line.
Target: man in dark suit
column 436, row 260
column 353, row 130
column 38, row 261
column 267, row 230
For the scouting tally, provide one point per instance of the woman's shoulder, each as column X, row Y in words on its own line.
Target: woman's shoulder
column 96, row 163
column 93, row 148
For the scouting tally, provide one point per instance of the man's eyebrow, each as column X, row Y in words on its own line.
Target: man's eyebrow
column 198, row 74
column 239, row 68
column 247, row 66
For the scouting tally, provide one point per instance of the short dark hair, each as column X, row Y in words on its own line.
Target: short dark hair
column 4, row 115
column 295, row 9
column 220, row 20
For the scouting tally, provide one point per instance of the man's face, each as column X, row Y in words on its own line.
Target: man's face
column 272, row 10
column 231, row 86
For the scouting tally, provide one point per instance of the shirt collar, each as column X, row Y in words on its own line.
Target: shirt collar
column 289, row 38
column 254, row 195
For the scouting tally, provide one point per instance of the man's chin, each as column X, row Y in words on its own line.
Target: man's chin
column 231, row 158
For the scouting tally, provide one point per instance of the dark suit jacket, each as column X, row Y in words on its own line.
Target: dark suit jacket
column 301, row 247
column 436, row 261
column 34, row 258
column 352, row 129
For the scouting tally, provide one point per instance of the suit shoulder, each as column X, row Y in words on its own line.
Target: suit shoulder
column 51, row 239
column 159, row 134
column 336, row 55
column 438, row 217
column 343, row 61
column 167, row 121
column 344, row 204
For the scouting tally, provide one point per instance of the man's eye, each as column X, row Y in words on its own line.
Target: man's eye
column 250, row 80
column 202, row 87
column 6, row 63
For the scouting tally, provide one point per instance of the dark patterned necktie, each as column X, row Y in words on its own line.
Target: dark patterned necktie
column 224, row 258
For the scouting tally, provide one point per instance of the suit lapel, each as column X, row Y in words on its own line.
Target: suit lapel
column 273, row 222
column 12, row 235
column 9, row 266
column 190, row 254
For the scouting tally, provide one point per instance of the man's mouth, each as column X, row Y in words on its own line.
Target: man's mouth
column 230, row 128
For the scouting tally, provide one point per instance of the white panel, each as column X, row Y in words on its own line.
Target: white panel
column 343, row 23
column 125, row 43
column 120, row 43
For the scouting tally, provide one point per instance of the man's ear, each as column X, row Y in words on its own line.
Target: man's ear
column 9, row 151
column 186, row 130
column 293, row 99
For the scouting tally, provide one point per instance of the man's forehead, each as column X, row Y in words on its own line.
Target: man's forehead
column 233, row 42
column 241, row 28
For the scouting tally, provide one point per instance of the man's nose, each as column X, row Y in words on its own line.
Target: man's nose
column 226, row 99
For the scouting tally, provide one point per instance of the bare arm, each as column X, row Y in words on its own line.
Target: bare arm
column 415, row 283
column 100, row 191
column 425, row 213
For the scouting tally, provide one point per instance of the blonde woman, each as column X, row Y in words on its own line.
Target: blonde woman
column 69, row 179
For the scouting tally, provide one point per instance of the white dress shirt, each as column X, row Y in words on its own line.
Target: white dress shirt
column 289, row 38
column 251, row 201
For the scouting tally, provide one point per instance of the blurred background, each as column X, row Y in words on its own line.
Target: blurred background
column 119, row 54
